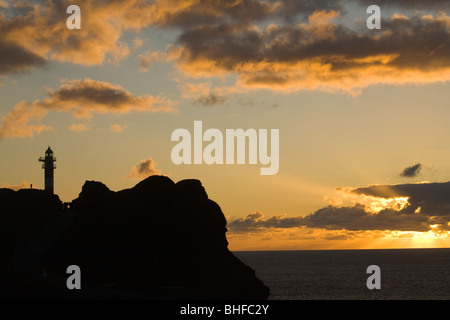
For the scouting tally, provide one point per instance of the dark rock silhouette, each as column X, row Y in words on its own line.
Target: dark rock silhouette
column 22, row 214
column 157, row 240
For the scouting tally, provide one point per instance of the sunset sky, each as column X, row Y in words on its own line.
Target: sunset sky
column 363, row 115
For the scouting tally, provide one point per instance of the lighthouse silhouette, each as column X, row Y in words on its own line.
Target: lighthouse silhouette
column 48, row 165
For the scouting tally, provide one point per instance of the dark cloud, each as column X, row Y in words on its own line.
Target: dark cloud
column 255, row 221
column 416, row 43
column 205, row 12
column 355, row 218
column 412, row 171
column 433, row 199
column 358, row 218
column 319, row 52
column 278, row 45
column 407, row 4
column 282, row 45
column 15, row 58
column 186, row 14
column 191, row 14
column 291, row 9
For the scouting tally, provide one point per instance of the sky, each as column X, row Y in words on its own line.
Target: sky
column 362, row 114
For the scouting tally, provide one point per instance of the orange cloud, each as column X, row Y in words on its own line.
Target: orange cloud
column 78, row 127
column 41, row 31
column 405, row 215
column 319, row 54
column 23, row 185
column 117, row 127
column 256, row 42
column 82, row 98
column 36, row 32
column 143, row 170
column 146, row 60
column 17, row 122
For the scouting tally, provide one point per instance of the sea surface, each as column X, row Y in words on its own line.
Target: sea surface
column 405, row 274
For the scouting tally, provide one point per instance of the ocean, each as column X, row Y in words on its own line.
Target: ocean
column 405, row 274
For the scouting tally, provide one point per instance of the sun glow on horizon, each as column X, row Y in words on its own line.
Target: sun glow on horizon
column 320, row 239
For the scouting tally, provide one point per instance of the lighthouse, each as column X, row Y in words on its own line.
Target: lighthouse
column 48, row 165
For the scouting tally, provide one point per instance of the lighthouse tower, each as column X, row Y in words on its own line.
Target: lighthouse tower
column 48, row 165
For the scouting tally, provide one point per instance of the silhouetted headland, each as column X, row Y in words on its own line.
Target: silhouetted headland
column 157, row 240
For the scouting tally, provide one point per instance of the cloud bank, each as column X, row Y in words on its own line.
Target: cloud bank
column 427, row 208
column 275, row 45
column 319, row 54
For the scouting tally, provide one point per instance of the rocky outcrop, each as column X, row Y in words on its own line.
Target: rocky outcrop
column 157, row 240
column 22, row 215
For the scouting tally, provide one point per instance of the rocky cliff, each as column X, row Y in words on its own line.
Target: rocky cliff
column 158, row 240
column 22, row 214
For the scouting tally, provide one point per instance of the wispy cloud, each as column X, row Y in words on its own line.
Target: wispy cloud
column 147, row 59
column 23, row 185
column 117, row 127
column 78, row 127
column 204, row 94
